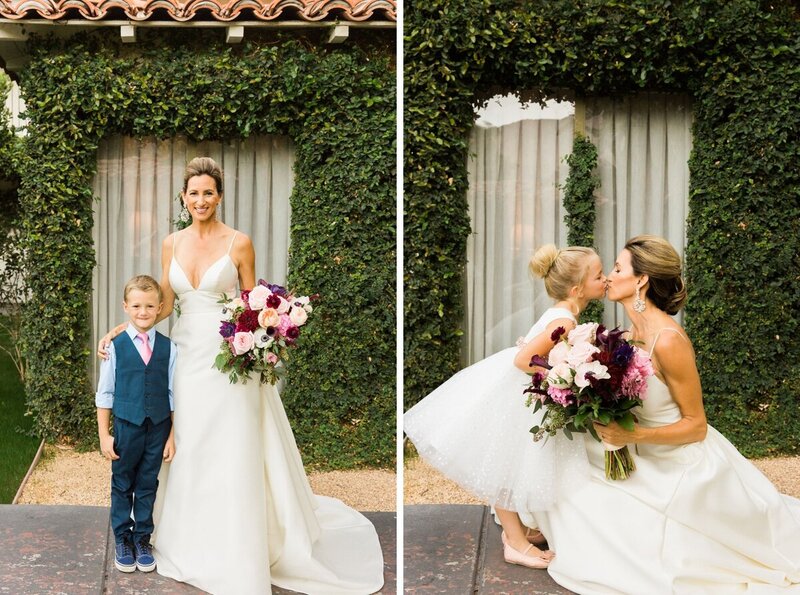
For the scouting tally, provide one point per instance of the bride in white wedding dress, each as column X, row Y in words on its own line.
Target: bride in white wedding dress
column 695, row 517
column 234, row 511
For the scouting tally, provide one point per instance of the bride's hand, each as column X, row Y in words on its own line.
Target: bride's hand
column 615, row 434
column 102, row 353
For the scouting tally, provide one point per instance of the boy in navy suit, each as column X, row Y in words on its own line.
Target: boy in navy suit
column 136, row 385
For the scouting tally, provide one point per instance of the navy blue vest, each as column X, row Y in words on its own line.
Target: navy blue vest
column 141, row 391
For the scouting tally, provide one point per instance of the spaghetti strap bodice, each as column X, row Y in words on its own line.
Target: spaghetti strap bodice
column 219, row 278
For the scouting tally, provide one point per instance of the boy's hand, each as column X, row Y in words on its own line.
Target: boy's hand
column 107, row 447
column 169, row 449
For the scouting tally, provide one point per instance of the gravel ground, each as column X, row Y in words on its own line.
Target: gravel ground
column 64, row 476
column 425, row 485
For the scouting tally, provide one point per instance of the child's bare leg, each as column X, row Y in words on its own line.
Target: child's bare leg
column 516, row 532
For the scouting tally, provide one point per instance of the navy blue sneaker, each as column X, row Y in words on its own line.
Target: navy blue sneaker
column 144, row 555
column 123, row 556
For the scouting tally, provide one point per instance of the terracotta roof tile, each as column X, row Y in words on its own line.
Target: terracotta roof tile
column 220, row 10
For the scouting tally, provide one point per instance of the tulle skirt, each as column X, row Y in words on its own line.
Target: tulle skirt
column 475, row 429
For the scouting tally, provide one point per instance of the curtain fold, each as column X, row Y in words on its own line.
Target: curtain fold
column 516, row 172
column 514, row 197
column 643, row 145
column 136, row 186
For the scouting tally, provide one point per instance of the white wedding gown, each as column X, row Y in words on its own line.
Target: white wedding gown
column 474, row 429
column 692, row 519
column 234, row 510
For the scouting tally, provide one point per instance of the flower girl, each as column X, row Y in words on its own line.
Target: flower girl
column 474, row 428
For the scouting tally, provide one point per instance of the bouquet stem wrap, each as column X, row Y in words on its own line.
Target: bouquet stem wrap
column 618, row 461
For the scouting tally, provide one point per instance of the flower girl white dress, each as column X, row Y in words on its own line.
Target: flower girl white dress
column 234, row 511
column 475, row 429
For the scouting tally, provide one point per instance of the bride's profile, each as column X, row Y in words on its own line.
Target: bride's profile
column 234, row 511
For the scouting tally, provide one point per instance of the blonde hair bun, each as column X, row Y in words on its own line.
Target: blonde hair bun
column 542, row 261
column 560, row 269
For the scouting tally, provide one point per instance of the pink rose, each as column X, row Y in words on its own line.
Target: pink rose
column 268, row 317
column 242, row 343
column 258, row 297
column 284, row 306
column 581, row 352
column 271, row 358
column 558, row 354
column 298, row 316
column 583, row 332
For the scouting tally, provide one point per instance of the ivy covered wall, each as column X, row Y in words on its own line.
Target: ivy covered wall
column 336, row 102
column 738, row 60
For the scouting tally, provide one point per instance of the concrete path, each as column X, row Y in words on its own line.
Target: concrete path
column 69, row 549
column 456, row 549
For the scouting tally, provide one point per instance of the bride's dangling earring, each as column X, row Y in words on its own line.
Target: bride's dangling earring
column 638, row 302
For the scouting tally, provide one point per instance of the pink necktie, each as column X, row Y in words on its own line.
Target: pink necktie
column 146, row 351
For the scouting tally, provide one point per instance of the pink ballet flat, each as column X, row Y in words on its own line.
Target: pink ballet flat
column 512, row 556
column 546, row 554
column 535, row 537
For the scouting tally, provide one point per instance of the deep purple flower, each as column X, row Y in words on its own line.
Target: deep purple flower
column 292, row 333
column 271, row 330
column 557, row 334
column 227, row 329
column 622, row 354
column 273, row 301
column 538, row 360
column 278, row 290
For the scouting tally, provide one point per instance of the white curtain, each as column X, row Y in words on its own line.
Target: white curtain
column 515, row 174
column 515, row 202
column 136, row 187
column 643, row 144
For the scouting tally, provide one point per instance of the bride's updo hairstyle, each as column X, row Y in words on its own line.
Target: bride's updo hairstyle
column 655, row 257
column 200, row 166
column 560, row 269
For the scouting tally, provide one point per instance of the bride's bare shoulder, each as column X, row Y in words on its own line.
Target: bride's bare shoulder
column 241, row 241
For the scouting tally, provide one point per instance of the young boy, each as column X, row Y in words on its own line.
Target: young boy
column 136, row 384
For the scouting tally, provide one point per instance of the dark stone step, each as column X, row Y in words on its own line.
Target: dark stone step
column 70, row 549
column 456, row 549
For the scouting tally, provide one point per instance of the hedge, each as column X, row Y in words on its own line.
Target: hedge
column 337, row 103
column 738, row 60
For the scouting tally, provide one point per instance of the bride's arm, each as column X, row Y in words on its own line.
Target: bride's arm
column 677, row 365
column 167, row 294
column 168, row 297
column 244, row 257
column 541, row 344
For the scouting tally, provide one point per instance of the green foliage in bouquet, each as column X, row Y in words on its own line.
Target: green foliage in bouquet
column 738, row 61
column 337, row 105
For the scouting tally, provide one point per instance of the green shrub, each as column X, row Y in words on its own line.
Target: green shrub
column 738, row 60
column 337, row 104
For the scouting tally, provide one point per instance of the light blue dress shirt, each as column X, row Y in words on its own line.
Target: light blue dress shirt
column 104, row 399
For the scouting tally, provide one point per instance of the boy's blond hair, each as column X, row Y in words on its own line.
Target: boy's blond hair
column 143, row 283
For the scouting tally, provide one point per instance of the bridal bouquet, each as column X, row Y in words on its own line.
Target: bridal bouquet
column 592, row 374
column 258, row 330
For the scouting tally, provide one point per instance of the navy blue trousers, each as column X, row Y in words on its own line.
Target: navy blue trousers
column 134, row 476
